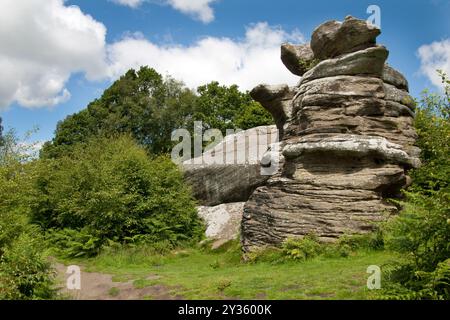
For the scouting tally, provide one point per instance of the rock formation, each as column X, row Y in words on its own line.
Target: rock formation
column 231, row 171
column 347, row 139
column 223, row 222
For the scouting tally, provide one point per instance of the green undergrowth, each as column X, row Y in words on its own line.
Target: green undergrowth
column 203, row 273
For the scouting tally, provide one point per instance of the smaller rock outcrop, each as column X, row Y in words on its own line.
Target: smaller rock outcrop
column 276, row 100
column 334, row 38
column 223, row 222
column 297, row 58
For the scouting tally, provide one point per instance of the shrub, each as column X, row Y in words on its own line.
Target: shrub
column 70, row 243
column 302, row 249
column 24, row 271
column 108, row 188
column 372, row 241
column 422, row 230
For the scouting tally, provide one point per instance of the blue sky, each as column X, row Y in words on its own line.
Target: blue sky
column 56, row 58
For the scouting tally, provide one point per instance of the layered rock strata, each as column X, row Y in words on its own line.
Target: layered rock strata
column 347, row 139
column 231, row 170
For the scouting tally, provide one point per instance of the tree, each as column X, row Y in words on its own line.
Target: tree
column 150, row 107
column 25, row 272
column 222, row 107
column 141, row 103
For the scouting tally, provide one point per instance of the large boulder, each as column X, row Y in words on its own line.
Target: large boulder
column 223, row 222
column 368, row 61
column 298, row 59
column 334, row 38
column 232, row 170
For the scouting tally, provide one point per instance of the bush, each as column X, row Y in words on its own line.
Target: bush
column 70, row 243
column 108, row 188
column 422, row 230
column 308, row 247
column 302, row 249
column 371, row 241
column 24, row 271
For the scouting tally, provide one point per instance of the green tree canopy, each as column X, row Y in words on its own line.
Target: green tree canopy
column 222, row 107
column 150, row 107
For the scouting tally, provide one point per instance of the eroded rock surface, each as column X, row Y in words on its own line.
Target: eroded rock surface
column 298, row 59
column 232, row 170
column 334, row 38
column 223, row 222
column 348, row 141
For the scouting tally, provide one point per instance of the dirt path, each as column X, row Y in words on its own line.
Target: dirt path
column 99, row 286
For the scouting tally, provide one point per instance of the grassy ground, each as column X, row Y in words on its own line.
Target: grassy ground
column 220, row 274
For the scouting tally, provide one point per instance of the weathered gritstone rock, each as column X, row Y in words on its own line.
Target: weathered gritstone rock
column 222, row 222
column 297, row 59
column 277, row 100
column 347, row 142
column 369, row 61
column 334, row 38
column 351, row 145
column 395, row 78
column 232, row 170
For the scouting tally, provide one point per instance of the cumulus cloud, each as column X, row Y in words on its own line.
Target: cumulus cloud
column 245, row 62
column 198, row 9
column 42, row 44
column 435, row 56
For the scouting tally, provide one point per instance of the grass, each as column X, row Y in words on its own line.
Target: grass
column 220, row 274
column 114, row 292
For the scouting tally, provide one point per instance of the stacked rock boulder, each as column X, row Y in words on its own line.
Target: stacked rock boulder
column 347, row 139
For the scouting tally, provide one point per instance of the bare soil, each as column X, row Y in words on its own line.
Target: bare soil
column 99, row 286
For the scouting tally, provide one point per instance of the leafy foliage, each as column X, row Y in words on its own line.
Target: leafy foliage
column 302, row 249
column 223, row 108
column 309, row 246
column 108, row 188
column 149, row 107
column 422, row 230
column 24, row 271
column 141, row 103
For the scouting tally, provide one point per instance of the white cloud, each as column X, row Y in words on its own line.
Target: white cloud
column 129, row 3
column 198, row 9
column 435, row 56
column 246, row 62
column 42, row 42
